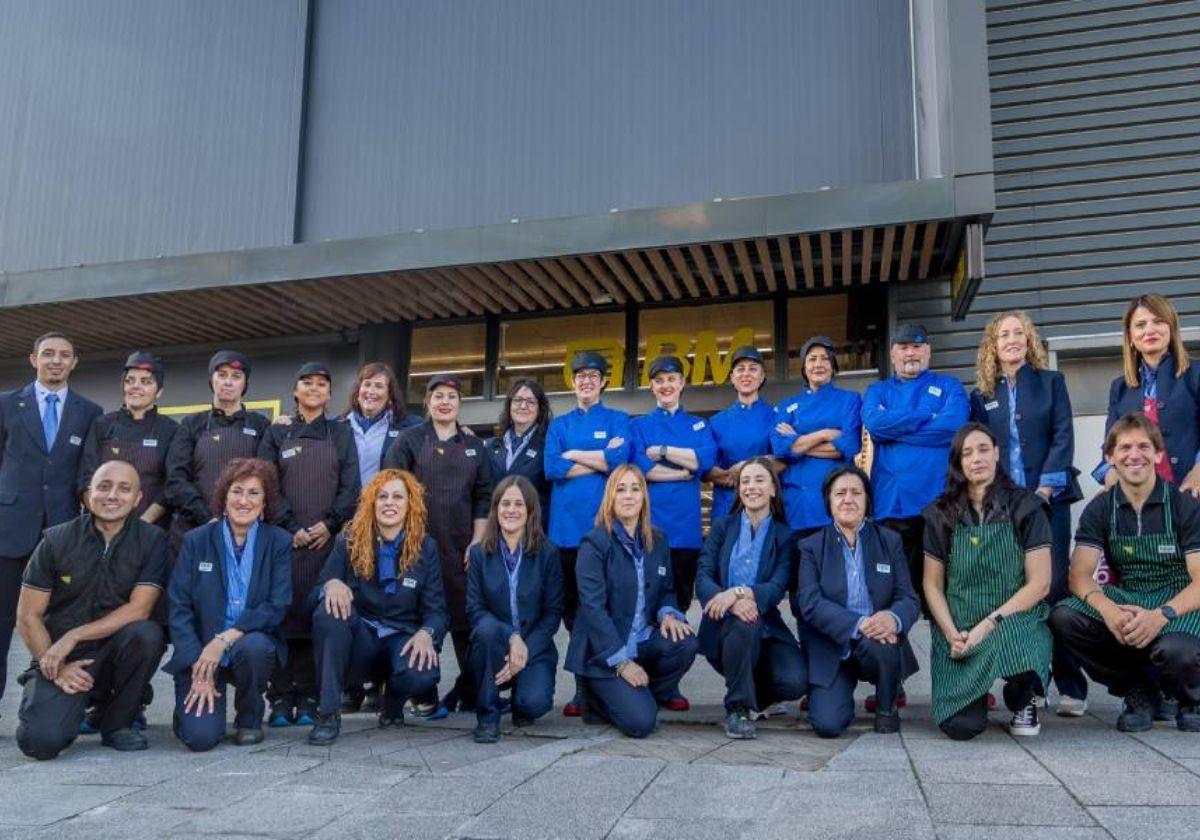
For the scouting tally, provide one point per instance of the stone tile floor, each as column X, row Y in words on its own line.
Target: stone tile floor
column 1080, row 780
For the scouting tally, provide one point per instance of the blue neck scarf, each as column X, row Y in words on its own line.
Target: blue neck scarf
column 364, row 422
column 239, row 566
column 388, row 561
column 511, row 558
column 633, row 544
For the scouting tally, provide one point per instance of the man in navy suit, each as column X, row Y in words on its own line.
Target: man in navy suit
column 42, row 428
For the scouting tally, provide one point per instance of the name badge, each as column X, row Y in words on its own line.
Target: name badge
column 150, row 443
column 246, row 430
column 792, row 407
column 393, row 433
column 662, row 571
column 600, row 434
column 470, row 453
column 76, row 440
column 287, row 453
column 410, row 583
column 530, row 453
column 992, row 406
column 935, row 390
column 205, row 567
column 698, row 425
column 883, row 568
column 1166, row 549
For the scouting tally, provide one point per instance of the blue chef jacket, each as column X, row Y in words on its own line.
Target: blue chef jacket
column 675, row 505
column 574, row 501
column 912, row 424
column 741, row 432
column 828, row 407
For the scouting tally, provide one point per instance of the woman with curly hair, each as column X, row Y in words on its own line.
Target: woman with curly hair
column 230, row 589
column 379, row 604
column 1027, row 408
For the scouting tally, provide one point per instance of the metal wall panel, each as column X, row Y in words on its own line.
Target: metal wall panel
column 1096, row 137
column 136, row 128
column 431, row 114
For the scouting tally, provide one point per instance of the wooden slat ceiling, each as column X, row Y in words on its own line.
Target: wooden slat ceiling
column 806, row 262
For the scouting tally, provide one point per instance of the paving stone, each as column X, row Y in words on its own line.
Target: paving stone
column 42, row 804
column 524, row 763
column 847, row 814
column 348, row 776
column 288, row 812
column 1003, row 805
column 1001, row 832
column 379, row 826
column 871, row 752
column 1120, row 788
column 526, row 817
column 709, row 828
column 1172, row 742
column 1144, row 823
column 991, row 762
column 430, row 795
column 700, row 791
column 117, row 820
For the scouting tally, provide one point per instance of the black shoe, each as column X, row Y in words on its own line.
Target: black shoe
column 282, row 714
column 1025, row 721
column 887, row 722
column 91, row 723
column 1168, row 708
column 326, row 730
column 487, row 732
column 1188, row 718
column 125, row 740
column 390, row 717
column 1137, row 715
column 739, row 726
column 248, row 737
column 371, row 701
column 520, row 721
column 306, row 712
column 352, row 700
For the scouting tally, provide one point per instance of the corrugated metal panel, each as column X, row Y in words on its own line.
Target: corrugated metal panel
column 431, row 114
column 1096, row 136
column 131, row 128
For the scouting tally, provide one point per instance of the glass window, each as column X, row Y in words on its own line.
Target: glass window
column 458, row 349
column 541, row 348
column 704, row 335
column 854, row 331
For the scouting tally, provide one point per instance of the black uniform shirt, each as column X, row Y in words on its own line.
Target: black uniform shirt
column 120, row 425
column 279, row 437
column 182, row 492
column 1025, row 510
column 86, row 579
column 402, row 455
column 1185, row 518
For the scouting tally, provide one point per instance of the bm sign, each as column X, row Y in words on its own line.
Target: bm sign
column 701, row 358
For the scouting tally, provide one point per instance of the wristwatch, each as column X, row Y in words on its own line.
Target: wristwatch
column 620, row 666
column 739, row 591
column 996, row 618
column 1168, row 611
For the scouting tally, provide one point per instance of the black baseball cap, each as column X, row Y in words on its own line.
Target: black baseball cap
column 229, row 358
column 145, row 360
column 314, row 369
column 447, row 379
column 910, row 334
column 665, row 364
column 589, row 359
column 747, row 353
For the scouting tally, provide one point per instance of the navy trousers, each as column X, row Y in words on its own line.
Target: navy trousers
column 251, row 660
column 532, row 689
column 635, row 710
column 349, row 651
column 831, row 709
column 758, row 670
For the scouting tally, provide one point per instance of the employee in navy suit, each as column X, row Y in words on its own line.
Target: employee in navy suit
column 630, row 645
column 42, row 427
column 1029, row 411
column 514, row 604
column 520, row 442
column 746, row 566
column 229, row 592
column 858, row 604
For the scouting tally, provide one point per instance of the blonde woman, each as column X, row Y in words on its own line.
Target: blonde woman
column 1027, row 408
column 630, row 646
column 379, row 603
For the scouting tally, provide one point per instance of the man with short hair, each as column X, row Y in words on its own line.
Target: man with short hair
column 912, row 416
column 84, row 614
column 42, row 428
column 1140, row 638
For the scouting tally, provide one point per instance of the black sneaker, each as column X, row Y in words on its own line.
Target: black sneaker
column 91, row 722
column 1188, row 717
column 282, row 714
column 326, row 730
column 739, row 726
column 1025, row 722
column 125, row 740
column 1168, row 708
column 887, row 722
column 487, row 732
column 1137, row 714
column 248, row 737
column 389, row 716
column 352, row 700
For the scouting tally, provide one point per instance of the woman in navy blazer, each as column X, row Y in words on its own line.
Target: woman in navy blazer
column 746, row 568
column 858, row 604
column 630, row 645
column 230, row 589
column 1028, row 409
column 514, row 606
column 520, row 441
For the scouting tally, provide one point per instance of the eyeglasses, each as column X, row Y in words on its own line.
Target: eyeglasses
column 588, row 376
column 524, row 402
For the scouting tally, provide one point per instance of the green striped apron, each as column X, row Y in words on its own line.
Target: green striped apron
column 1151, row 569
column 986, row 566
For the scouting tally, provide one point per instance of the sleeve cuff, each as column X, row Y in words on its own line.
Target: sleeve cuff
column 1053, row 479
column 858, row 627
column 666, row 611
column 1101, row 471
column 899, row 623
column 619, row 656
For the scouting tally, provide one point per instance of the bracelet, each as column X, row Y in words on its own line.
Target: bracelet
column 620, row 666
column 1093, row 592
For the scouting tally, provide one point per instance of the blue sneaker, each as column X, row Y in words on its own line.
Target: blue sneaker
column 90, row 725
column 306, row 714
column 281, row 715
column 440, row 713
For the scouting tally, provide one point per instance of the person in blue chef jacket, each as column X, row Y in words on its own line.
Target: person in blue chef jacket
column 582, row 446
column 519, row 447
column 631, row 646
column 912, row 417
column 857, row 603
column 746, row 567
column 514, row 604
column 742, row 431
column 229, row 592
column 1029, row 411
column 673, row 449
column 815, row 431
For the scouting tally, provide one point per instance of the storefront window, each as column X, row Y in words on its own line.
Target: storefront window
column 458, row 349
column 854, row 330
column 541, row 348
column 704, row 337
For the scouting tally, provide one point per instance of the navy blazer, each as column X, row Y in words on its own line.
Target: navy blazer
column 608, row 595
column 1178, row 411
column 821, row 597
column 38, row 489
column 530, row 463
column 198, row 598
column 539, row 598
column 776, row 571
column 1044, row 422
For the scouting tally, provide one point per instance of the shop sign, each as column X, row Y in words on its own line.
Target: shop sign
column 701, row 358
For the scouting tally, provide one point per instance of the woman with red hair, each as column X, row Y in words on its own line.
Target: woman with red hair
column 379, row 604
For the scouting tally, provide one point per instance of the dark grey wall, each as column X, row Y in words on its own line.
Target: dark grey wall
column 131, row 128
column 1096, row 137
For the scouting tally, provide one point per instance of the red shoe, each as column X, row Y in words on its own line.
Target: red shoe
column 991, row 701
column 677, row 704
column 870, row 703
column 573, row 709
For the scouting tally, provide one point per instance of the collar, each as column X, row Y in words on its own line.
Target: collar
column 810, row 390
column 90, row 526
column 857, row 533
column 151, row 414
column 1155, row 497
column 41, row 392
column 747, row 406
column 928, row 372
column 237, row 415
column 669, row 412
column 586, row 411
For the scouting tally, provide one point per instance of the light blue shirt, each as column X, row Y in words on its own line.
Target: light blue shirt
column 40, row 391
column 747, row 552
column 514, row 574
column 1016, row 463
column 639, row 630
column 371, row 443
column 858, row 597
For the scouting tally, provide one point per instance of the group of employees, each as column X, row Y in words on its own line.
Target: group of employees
column 316, row 563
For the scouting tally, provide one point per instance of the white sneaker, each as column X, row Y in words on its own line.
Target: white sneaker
column 1025, row 722
column 774, row 710
column 1071, row 706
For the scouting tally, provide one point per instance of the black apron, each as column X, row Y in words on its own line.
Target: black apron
column 448, row 474
column 308, row 478
column 146, row 456
column 213, row 451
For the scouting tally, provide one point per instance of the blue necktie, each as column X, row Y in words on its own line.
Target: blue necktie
column 50, row 420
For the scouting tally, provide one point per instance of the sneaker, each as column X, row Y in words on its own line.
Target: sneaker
column 1188, row 718
column 575, row 707
column 139, row 722
column 677, row 704
column 1025, row 721
column 90, row 725
column 739, row 726
column 1071, row 706
column 244, row 737
column 1137, row 714
column 1168, row 708
column 887, row 722
column 125, row 740
column 423, row 710
column 390, row 717
column 326, row 730
column 774, row 710
column 282, row 714
column 487, row 732
column 306, row 713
